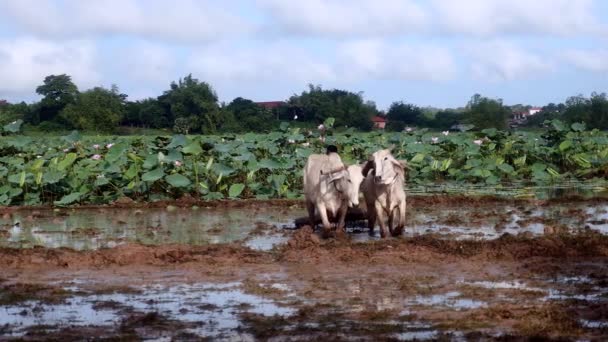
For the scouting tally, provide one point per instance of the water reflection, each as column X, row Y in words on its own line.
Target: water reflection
column 87, row 229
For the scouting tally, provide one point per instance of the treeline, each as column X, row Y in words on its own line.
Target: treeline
column 188, row 106
column 192, row 106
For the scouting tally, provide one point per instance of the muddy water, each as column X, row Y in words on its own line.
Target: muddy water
column 88, row 229
column 426, row 306
column 208, row 310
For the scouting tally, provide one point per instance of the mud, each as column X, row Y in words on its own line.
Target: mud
column 552, row 284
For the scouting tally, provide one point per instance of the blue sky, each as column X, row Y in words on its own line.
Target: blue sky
column 433, row 52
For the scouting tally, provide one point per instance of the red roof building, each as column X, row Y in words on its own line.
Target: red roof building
column 379, row 122
column 270, row 104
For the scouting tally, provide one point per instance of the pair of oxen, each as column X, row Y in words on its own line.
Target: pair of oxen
column 331, row 187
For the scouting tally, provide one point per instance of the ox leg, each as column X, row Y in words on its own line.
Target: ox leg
column 326, row 225
column 341, row 219
column 380, row 218
column 399, row 230
column 398, row 221
column 371, row 217
column 310, row 206
column 391, row 220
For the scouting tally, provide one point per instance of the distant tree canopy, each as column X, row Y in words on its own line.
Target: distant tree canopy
column 592, row 111
column 401, row 114
column 192, row 106
column 483, row 112
column 58, row 91
column 11, row 112
column 548, row 112
column 98, row 109
column 445, row 119
column 348, row 108
column 250, row 116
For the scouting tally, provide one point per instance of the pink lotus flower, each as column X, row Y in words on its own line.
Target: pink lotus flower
column 109, row 145
column 66, row 150
column 434, row 140
column 321, row 127
column 306, row 144
column 96, row 146
column 178, row 163
column 445, row 133
column 96, row 157
column 408, row 129
column 478, row 142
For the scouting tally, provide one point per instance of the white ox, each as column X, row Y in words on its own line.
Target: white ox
column 330, row 187
column 384, row 193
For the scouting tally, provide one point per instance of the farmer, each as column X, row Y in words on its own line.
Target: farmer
column 331, row 149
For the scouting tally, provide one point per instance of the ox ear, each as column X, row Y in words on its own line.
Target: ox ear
column 369, row 165
column 335, row 176
column 401, row 164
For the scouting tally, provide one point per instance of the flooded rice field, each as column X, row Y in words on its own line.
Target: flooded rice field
column 464, row 270
column 90, row 229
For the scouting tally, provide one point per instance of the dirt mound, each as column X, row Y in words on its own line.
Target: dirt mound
column 306, row 247
column 304, row 238
column 130, row 254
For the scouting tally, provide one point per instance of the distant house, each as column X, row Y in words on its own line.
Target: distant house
column 270, row 104
column 3, row 103
column 520, row 117
column 534, row 110
column 379, row 122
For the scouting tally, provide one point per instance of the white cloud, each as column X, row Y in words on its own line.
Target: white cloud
column 344, row 64
column 589, row 60
column 504, row 61
column 264, row 62
column 145, row 62
column 496, row 17
column 179, row 20
column 347, row 18
column 489, row 18
column 382, row 60
column 25, row 62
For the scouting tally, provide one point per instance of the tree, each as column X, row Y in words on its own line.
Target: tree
column 317, row 104
column 548, row 112
column 445, row 119
column 599, row 111
column 58, row 91
column 10, row 112
column 98, row 109
column 401, row 114
column 592, row 111
column 251, row 117
column 146, row 113
column 483, row 112
column 195, row 101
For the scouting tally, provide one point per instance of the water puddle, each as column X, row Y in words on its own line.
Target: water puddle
column 451, row 300
column 421, row 335
column 88, row 229
column 212, row 309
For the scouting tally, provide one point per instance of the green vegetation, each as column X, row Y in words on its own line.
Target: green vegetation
column 191, row 106
column 75, row 169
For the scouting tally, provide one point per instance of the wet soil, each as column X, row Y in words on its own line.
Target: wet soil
column 551, row 285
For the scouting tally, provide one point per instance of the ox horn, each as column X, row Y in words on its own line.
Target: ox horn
column 341, row 168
